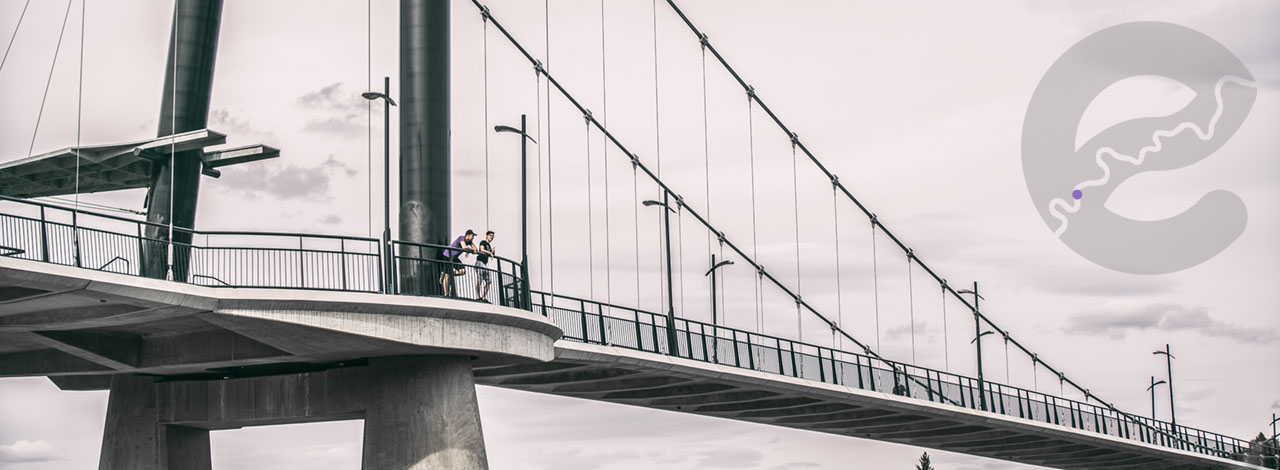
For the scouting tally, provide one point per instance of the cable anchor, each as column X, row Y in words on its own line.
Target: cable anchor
column 704, row 40
column 751, row 91
column 795, row 140
column 484, row 13
column 586, row 116
column 538, row 68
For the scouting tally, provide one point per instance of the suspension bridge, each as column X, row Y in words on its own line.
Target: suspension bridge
column 195, row 330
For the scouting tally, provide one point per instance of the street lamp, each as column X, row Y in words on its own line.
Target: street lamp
column 524, row 206
column 977, row 339
column 1152, row 389
column 671, row 305
column 386, row 178
column 714, row 322
column 1168, row 358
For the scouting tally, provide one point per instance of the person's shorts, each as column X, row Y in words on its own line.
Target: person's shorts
column 482, row 270
column 455, row 267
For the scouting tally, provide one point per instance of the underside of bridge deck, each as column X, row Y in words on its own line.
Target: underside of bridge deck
column 642, row 379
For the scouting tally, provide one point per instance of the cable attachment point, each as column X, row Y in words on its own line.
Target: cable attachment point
column 484, row 13
column 538, row 68
column 944, row 284
column 720, row 236
column 635, row 160
column 795, row 140
column 706, row 42
column 835, row 180
column 799, row 301
column 588, row 117
column 679, row 201
column 911, row 254
column 751, row 91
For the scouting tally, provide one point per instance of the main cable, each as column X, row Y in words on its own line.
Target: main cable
column 14, row 37
column 49, row 80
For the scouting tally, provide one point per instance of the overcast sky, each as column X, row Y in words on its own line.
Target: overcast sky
column 917, row 106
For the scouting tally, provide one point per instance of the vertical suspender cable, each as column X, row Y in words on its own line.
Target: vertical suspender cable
column 706, row 162
column 680, row 247
column 485, row 127
column 1007, row 380
column 537, row 91
column 49, row 80
column 368, row 204
column 795, row 198
column 835, row 211
column 875, row 280
column 551, row 200
column 635, row 214
column 591, row 238
column 604, row 115
column 79, row 111
column 911, row 305
column 657, row 141
column 755, row 243
column 14, row 37
column 173, row 144
column 946, row 342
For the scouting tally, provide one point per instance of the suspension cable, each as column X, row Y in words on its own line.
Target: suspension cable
column 49, row 80
column 657, row 148
column 635, row 213
column 173, row 143
column 1007, row 380
column 14, row 37
column 680, row 247
column 865, row 210
column 706, row 167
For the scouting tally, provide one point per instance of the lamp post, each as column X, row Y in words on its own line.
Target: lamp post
column 386, row 178
column 524, row 206
column 671, row 305
column 714, row 321
column 1152, row 389
column 977, row 339
column 1275, row 447
column 1168, row 358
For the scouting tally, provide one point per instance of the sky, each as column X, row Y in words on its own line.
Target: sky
column 917, row 106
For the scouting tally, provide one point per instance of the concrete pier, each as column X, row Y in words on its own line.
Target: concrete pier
column 420, row 413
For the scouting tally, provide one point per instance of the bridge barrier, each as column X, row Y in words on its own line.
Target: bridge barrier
column 54, row 234
column 594, row 322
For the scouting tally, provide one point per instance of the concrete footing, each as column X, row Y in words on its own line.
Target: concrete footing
column 420, row 413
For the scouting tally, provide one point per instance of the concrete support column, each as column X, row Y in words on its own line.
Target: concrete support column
column 422, row 414
column 134, row 438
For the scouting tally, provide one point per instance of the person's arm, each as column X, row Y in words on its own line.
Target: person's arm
column 487, row 251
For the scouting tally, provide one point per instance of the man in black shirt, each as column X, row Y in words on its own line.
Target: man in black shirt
column 482, row 268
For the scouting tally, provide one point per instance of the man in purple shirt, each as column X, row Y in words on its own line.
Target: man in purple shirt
column 453, row 255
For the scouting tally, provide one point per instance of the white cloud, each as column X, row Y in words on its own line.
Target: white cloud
column 28, row 451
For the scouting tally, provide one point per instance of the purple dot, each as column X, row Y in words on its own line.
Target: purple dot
column 1077, row 194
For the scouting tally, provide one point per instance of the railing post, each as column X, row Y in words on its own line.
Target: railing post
column 302, row 265
column 342, row 260
column 604, row 339
column 702, row 329
column 44, row 237
column 586, row 333
column 75, row 238
column 502, row 287
column 639, row 333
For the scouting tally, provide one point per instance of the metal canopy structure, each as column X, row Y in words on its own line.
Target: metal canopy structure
column 117, row 166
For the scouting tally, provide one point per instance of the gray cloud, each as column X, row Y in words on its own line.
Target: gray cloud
column 289, row 182
column 794, row 465
column 234, row 126
column 346, row 125
column 28, row 451
column 1276, row 405
column 1117, row 322
column 331, row 219
column 336, row 109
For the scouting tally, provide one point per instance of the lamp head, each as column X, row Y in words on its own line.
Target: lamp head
column 373, row 95
column 501, row 128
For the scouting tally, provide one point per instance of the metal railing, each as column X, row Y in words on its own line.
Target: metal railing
column 54, row 234
column 599, row 323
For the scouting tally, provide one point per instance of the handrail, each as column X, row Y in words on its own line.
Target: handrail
column 1184, row 434
column 447, row 247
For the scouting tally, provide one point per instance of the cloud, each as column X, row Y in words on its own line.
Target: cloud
column 289, row 182
column 234, row 126
column 1276, row 405
column 28, row 451
column 1116, row 322
column 337, row 110
column 331, row 219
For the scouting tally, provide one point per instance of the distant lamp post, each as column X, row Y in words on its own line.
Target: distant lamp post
column 715, row 341
column 1168, row 360
column 1152, row 389
column 386, row 178
column 977, row 339
column 1275, row 446
column 672, row 345
column 524, row 206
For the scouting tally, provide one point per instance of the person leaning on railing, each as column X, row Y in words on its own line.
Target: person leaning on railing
column 453, row 255
column 482, row 269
